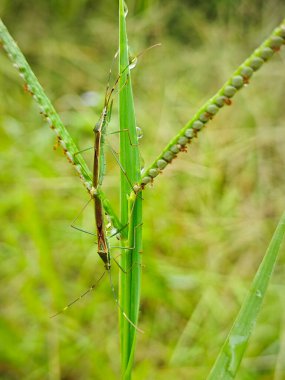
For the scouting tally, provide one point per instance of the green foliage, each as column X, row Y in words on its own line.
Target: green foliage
column 208, row 111
column 230, row 357
column 131, row 208
column 215, row 209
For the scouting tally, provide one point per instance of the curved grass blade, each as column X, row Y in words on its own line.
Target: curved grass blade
column 231, row 354
column 131, row 207
column 33, row 86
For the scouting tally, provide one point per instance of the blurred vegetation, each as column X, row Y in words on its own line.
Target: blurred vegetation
column 208, row 219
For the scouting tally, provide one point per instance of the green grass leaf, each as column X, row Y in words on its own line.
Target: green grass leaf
column 231, row 354
column 131, row 207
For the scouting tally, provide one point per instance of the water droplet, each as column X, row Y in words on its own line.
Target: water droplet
column 133, row 63
column 142, row 163
column 139, row 133
column 235, row 349
column 126, row 10
column 258, row 293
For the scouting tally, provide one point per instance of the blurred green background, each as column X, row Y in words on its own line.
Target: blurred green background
column 207, row 220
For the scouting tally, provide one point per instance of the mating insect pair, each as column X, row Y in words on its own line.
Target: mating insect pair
column 103, row 248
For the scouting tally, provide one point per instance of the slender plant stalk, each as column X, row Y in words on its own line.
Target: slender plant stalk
column 70, row 149
column 131, row 207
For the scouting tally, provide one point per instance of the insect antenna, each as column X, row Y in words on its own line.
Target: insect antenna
column 131, row 65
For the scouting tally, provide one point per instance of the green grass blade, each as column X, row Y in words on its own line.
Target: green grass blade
column 230, row 356
column 48, row 111
column 131, row 208
column 236, row 82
